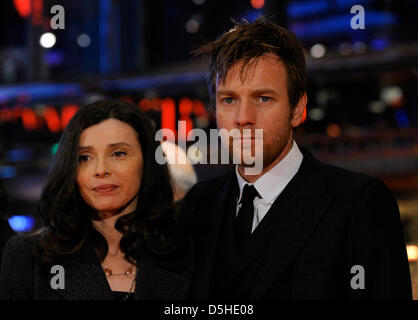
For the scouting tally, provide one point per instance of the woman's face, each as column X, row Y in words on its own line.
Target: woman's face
column 110, row 166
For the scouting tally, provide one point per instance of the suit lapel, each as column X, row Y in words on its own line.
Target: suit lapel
column 207, row 242
column 296, row 213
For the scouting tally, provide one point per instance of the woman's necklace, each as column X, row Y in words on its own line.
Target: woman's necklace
column 128, row 272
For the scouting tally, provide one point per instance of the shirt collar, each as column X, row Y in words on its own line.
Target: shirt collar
column 272, row 183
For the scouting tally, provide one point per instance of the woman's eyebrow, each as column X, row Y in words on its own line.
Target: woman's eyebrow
column 111, row 145
column 120, row 144
column 83, row 148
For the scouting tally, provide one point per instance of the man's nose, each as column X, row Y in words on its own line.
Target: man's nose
column 102, row 168
column 245, row 114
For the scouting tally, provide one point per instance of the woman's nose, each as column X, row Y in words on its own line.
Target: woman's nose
column 102, row 168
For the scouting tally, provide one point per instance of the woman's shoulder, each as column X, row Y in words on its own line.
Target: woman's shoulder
column 20, row 244
column 17, row 267
column 17, row 254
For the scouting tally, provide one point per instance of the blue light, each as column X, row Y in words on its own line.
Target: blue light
column 402, row 118
column 53, row 58
column 21, row 223
column 17, row 155
column 7, row 172
column 379, row 44
column 341, row 24
column 301, row 9
column 39, row 91
column 349, row 3
column 253, row 15
column 142, row 83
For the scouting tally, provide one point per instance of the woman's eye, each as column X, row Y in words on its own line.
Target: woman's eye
column 83, row 158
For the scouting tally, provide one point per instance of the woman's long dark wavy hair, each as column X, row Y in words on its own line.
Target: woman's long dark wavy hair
column 66, row 215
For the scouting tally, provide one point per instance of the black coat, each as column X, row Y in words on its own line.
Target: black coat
column 23, row 278
column 325, row 221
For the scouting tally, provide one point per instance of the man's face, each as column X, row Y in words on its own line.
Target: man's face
column 259, row 101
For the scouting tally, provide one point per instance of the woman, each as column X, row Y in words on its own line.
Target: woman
column 107, row 208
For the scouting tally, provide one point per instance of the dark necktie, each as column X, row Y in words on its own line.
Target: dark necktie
column 244, row 220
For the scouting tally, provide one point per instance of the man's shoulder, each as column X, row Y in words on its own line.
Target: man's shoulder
column 338, row 178
column 210, row 185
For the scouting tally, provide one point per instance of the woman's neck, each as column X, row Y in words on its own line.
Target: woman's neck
column 107, row 228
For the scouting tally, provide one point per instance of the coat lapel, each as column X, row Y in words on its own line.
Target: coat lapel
column 297, row 212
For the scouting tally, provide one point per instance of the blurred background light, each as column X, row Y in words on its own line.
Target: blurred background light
column 54, row 148
column 18, row 155
column 257, row 4
column 83, row 40
column 391, row 95
column 21, row 223
column 318, row 50
column 47, row 40
column 192, row 25
column 377, row 107
column 412, row 252
column 316, row 114
column 198, row 2
column 359, row 47
column 345, row 48
column 7, row 172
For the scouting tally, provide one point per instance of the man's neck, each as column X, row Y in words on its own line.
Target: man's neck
column 254, row 178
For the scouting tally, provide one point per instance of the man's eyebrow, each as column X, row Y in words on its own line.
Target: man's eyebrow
column 265, row 91
column 224, row 92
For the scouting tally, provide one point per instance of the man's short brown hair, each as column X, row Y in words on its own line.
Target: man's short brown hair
column 249, row 41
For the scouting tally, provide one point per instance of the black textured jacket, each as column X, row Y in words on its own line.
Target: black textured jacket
column 23, row 278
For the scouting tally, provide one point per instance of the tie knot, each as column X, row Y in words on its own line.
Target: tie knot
column 249, row 193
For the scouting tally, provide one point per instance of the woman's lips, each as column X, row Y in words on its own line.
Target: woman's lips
column 106, row 188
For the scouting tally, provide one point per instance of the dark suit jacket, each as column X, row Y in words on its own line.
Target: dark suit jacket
column 23, row 278
column 325, row 221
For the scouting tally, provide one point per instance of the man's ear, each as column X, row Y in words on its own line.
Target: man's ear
column 298, row 110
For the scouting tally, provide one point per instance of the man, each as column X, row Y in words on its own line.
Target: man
column 300, row 229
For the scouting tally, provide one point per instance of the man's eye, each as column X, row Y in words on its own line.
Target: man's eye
column 264, row 99
column 228, row 100
column 119, row 154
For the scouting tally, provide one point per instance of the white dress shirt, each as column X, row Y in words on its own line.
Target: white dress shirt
column 271, row 184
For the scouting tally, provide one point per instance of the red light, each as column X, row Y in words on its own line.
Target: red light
column 29, row 119
column 67, row 113
column 257, row 4
column 52, row 119
column 23, row 7
column 168, row 114
column 199, row 109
